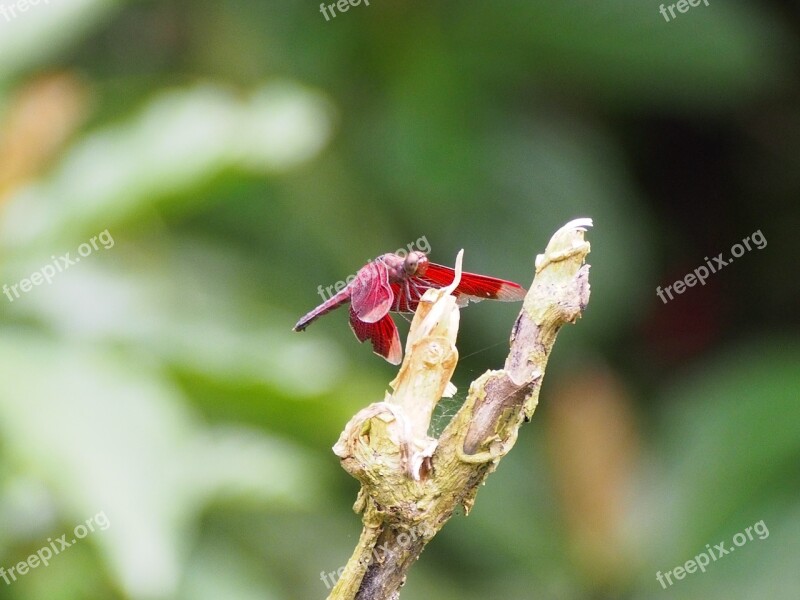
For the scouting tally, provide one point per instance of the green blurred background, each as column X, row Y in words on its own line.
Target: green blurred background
column 243, row 153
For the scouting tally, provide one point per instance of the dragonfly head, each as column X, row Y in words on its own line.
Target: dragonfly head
column 416, row 263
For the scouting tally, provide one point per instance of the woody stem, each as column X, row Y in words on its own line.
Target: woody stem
column 401, row 514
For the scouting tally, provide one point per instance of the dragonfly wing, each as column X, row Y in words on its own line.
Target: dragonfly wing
column 372, row 295
column 473, row 286
column 330, row 304
column 383, row 335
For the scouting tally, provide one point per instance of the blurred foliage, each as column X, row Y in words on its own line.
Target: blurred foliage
column 243, row 153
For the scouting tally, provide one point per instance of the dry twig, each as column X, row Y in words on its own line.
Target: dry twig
column 412, row 483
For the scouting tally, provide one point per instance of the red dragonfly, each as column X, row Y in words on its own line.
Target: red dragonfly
column 395, row 283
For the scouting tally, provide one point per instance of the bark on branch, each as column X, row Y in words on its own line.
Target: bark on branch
column 410, row 483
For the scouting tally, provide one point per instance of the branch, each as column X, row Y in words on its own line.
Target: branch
column 410, row 483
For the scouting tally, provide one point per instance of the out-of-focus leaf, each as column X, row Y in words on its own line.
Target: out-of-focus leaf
column 106, row 433
column 729, row 435
column 42, row 30
column 220, row 571
column 185, row 308
column 758, row 568
column 625, row 52
column 181, row 140
column 578, row 171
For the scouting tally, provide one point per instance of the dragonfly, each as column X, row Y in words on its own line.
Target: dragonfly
column 395, row 283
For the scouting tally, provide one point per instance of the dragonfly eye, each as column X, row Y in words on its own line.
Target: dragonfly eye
column 416, row 263
column 410, row 264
